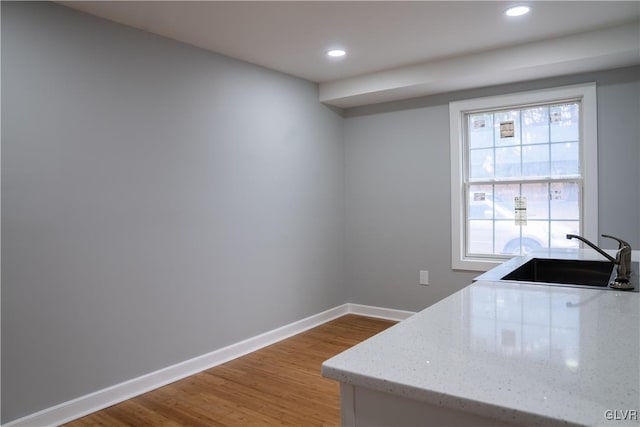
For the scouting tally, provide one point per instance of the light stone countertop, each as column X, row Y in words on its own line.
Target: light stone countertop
column 530, row 354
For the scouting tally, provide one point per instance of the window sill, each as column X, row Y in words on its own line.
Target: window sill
column 476, row 264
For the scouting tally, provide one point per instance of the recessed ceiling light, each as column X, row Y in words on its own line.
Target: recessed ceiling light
column 517, row 11
column 336, row 53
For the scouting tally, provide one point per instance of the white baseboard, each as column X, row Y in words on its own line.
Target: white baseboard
column 101, row 399
column 379, row 312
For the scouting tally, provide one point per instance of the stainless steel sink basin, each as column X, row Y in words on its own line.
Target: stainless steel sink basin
column 576, row 272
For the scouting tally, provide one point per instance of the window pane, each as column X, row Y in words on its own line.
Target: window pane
column 480, row 130
column 504, row 200
column 564, row 122
column 507, row 237
column 535, row 235
column 565, row 159
column 480, row 202
column 535, row 160
column 508, row 162
column 537, row 200
column 481, row 163
column 504, row 118
column 559, row 231
column 480, row 234
column 535, row 125
column 565, row 200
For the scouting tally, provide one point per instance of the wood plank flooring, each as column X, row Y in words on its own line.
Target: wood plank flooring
column 277, row 385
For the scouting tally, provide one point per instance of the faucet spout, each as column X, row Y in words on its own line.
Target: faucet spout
column 622, row 261
column 597, row 249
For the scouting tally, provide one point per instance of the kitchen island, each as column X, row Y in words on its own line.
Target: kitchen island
column 500, row 354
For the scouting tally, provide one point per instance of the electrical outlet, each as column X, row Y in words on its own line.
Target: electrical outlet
column 424, row 277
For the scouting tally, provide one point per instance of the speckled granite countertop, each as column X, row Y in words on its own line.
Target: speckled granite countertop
column 527, row 354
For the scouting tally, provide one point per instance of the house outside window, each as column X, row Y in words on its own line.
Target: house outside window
column 524, row 173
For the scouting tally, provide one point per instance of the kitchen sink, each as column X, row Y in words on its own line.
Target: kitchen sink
column 566, row 271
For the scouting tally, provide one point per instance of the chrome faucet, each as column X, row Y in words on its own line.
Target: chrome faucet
column 622, row 261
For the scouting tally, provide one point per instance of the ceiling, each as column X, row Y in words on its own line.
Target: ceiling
column 392, row 40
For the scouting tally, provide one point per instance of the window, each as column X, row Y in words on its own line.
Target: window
column 523, row 173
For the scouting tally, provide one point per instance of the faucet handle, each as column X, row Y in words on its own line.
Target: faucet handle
column 621, row 243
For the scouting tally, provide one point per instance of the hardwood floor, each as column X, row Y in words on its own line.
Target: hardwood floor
column 277, row 385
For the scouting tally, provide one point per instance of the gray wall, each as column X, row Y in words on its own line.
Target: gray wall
column 398, row 187
column 158, row 202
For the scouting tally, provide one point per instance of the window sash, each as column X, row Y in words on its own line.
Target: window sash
column 549, row 220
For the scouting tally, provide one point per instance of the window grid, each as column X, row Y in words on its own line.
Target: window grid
column 524, row 177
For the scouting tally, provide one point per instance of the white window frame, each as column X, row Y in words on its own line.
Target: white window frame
column 586, row 94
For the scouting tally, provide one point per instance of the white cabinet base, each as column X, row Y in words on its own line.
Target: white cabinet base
column 363, row 407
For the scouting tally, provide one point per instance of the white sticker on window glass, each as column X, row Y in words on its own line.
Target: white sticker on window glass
column 479, row 124
column 520, row 210
column 506, row 129
column 478, row 197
